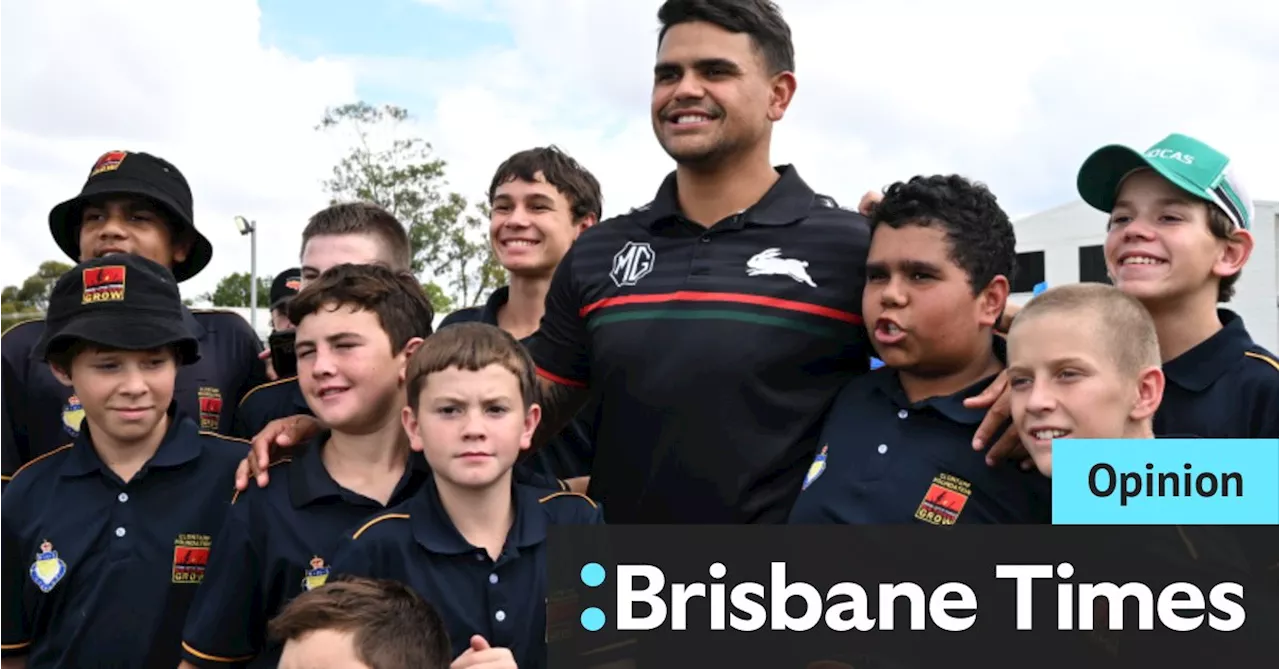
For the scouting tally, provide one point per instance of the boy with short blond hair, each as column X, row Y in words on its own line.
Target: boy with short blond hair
column 1084, row 363
column 357, row 326
column 1178, row 239
column 105, row 539
column 472, row 541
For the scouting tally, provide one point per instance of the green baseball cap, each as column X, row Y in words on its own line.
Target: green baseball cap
column 1186, row 162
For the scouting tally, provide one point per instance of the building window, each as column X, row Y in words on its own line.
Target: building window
column 1030, row 271
column 1093, row 266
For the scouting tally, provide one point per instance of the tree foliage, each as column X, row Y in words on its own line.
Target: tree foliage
column 233, row 291
column 389, row 166
column 19, row 303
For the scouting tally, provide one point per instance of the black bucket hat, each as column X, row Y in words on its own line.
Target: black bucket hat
column 142, row 174
column 122, row 301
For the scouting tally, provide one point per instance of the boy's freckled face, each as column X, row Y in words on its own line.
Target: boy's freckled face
column 1064, row 385
column 125, row 394
column 346, row 370
column 1158, row 242
column 471, row 425
column 918, row 304
column 324, row 252
column 321, row 649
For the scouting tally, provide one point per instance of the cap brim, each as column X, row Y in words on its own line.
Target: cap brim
column 1099, row 179
column 109, row 330
column 66, row 230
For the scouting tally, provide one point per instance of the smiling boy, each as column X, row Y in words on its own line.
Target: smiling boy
column 1177, row 240
column 1084, row 363
column 472, row 541
column 105, row 539
column 357, row 325
column 540, row 200
column 893, row 447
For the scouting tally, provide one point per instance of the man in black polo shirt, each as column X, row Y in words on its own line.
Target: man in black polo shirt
column 717, row 322
column 541, row 200
column 893, row 446
column 105, row 539
column 131, row 203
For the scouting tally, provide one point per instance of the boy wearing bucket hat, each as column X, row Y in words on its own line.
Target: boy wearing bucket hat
column 105, row 539
column 286, row 285
column 1178, row 238
column 131, row 203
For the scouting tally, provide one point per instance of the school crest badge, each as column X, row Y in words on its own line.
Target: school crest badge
column 108, row 162
column 316, row 575
column 72, row 416
column 815, row 470
column 104, row 284
column 210, row 408
column 945, row 500
column 48, row 569
column 190, row 557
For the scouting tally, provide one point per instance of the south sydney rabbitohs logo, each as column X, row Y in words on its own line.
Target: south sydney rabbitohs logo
column 632, row 263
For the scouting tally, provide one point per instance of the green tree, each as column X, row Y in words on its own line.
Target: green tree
column 19, row 303
column 401, row 174
column 233, row 291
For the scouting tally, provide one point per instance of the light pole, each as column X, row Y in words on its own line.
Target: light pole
column 247, row 227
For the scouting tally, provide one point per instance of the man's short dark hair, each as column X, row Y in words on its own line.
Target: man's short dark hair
column 363, row 218
column 574, row 182
column 396, row 298
column 979, row 231
column 759, row 19
column 391, row 626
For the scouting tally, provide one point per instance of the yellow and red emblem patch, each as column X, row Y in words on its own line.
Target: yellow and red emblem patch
column 104, row 284
column 945, row 500
column 108, row 162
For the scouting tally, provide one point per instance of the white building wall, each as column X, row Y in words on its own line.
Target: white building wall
column 1060, row 232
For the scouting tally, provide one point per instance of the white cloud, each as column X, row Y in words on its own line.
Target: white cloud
column 187, row 81
column 1013, row 94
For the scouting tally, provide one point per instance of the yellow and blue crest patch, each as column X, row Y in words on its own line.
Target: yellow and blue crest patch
column 48, row 569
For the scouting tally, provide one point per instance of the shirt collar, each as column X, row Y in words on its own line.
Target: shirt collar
column 180, row 445
column 310, row 481
column 886, row 382
column 435, row 531
column 489, row 312
column 1207, row 361
column 789, row 200
column 193, row 326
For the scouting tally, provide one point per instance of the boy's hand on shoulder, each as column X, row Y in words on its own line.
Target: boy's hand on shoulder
column 996, row 400
column 481, row 656
column 279, row 433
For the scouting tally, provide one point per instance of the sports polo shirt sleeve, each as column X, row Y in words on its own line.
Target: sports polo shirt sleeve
column 561, row 346
column 13, row 428
column 226, row 623
column 17, row 632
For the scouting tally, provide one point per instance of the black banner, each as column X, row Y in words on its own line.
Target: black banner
column 907, row 597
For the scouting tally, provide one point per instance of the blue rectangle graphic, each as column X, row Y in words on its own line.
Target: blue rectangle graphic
column 1166, row 482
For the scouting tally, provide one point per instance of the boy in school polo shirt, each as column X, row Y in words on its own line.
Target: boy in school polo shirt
column 472, row 542
column 131, row 202
column 357, row 325
column 1178, row 238
column 1084, row 363
column 892, row 448
column 105, row 540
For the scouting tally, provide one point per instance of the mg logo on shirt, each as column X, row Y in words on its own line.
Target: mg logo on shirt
column 632, row 263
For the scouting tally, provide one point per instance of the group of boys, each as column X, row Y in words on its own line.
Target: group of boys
column 422, row 473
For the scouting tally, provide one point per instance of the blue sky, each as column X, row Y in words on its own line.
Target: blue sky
column 380, row 29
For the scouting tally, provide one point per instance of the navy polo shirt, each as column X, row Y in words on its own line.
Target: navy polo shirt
column 99, row 572
column 267, row 402
column 568, row 454
column 278, row 541
column 41, row 414
column 504, row 600
column 714, row 352
column 886, row 460
column 1225, row 387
